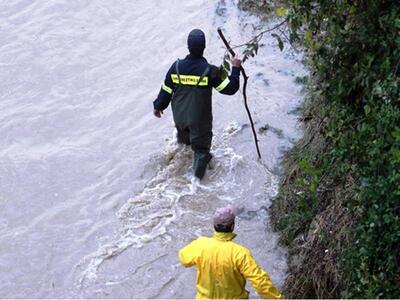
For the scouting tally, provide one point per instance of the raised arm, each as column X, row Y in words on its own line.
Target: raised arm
column 230, row 84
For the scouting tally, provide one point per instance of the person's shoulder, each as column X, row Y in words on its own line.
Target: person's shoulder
column 204, row 238
column 172, row 68
column 215, row 72
column 213, row 67
column 201, row 242
column 201, row 239
column 239, row 249
column 181, row 60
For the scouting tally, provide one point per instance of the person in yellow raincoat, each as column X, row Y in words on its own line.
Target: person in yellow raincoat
column 223, row 266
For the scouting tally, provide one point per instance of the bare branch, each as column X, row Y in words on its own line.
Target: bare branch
column 258, row 37
column 244, row 90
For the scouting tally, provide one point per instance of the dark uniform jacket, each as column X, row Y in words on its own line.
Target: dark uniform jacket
column 190, row 69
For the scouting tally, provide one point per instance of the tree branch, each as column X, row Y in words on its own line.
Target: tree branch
column 259, row 36
column 244, row 90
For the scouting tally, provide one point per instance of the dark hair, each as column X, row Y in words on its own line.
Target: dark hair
column 223, row 228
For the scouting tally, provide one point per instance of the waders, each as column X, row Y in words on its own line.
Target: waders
column 192, row 112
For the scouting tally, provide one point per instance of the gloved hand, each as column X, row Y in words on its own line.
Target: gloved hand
column 236, row 61
column 157, row 113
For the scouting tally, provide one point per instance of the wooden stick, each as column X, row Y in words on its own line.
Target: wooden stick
column 244, row 90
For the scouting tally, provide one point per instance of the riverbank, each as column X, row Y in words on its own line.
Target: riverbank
column 310, row 214
column 337, row 209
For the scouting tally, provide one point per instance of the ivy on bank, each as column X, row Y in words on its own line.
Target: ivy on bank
column 354, row 52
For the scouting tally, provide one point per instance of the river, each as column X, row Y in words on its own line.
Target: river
column 96, row 197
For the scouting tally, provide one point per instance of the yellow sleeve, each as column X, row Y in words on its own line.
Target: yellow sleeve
column 258, row 278
column 188, row 254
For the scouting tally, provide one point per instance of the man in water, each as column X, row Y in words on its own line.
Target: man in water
column 188, row 85
column 223, row 266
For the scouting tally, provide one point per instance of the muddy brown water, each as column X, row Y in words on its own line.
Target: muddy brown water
column 96, row 197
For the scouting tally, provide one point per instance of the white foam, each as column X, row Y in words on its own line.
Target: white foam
column 147, row 215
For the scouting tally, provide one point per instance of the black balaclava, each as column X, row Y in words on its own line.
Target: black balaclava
column 196, row 42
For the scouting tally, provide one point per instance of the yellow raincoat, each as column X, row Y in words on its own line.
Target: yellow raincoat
column 223, row 267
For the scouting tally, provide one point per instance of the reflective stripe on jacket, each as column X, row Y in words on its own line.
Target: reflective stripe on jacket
column 223, row 267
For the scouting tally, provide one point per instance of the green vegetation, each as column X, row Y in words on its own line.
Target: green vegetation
column 338, row 209
column 339, row 204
